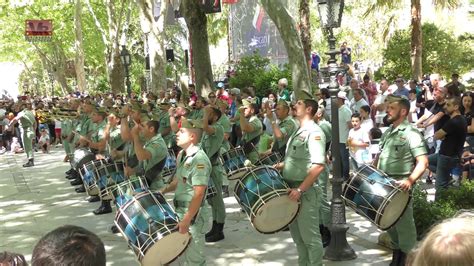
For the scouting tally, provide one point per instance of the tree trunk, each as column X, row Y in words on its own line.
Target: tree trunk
column 197, row 25
column 289, row 34
column 154, row 32
column 416, row 40
column 114, row 64
column 305, row 30
column 79, row 62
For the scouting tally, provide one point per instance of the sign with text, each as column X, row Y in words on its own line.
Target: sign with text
column 38, row 27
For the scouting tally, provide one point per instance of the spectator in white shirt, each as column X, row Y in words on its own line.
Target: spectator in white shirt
column 358, row 143
column 358, row 101
column 366, row 122
column 379, row 103
column 344, row 126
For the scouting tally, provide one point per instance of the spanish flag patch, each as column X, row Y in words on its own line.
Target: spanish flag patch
column 200, row 166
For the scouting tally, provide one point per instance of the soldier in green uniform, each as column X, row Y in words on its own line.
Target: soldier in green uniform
column 151, row 154
column 325, row 211
column 283, row 129
column 224, row 121
column 165, row 127
column 197, row 112
column 190, row 186
column 251, row 129
column 211, row 142
column 27, row 121
column 131, row 114
column 97, row 143
column 401, row 146
column 114, row 140
column 304, row 162
column 85, row 126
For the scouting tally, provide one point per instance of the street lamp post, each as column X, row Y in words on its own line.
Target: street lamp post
column 330, row 12
column 126, row 61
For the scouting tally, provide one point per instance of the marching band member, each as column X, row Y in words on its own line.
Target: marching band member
column 212, row 139
column 304, row 161
column 190, row 186
column 402, row 145
column 252, row 128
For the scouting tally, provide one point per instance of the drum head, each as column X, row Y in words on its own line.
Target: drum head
column 275, row 215
column 166, row 250
column 238, row 174
column 394, row 209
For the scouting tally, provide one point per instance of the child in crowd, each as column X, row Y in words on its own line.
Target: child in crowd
column 44, row 141
column 358, row 142
column 413, row 117
column 366, row 122
column 15, row 147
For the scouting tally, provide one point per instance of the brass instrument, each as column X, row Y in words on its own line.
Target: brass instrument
column 60, row 114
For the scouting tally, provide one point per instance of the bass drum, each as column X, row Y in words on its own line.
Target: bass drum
column 263, row 195
column 80, row 157
column 149, row 224
column 371, row 193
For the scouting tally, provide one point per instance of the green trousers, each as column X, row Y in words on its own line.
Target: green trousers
column 217, row 202
column 305, row 229
column 157, row 184
column 27, row 135
column 403, row 233
column 194, row 254
column 252, row 156
column 325, row 211
column 67, row 147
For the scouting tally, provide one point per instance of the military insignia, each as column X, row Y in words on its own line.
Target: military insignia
column 403, row 138
column 187, row 165
column 317, row 138
column 301, row 138
column 200, row 166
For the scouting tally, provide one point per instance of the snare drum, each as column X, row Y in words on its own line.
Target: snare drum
column 234, row 163
column 108, row 176
column 270, row 159
column 170, row 166
column 80, row 157
column 88, row 172
column 149, row 224
column 125, row 191
column 371, row 193
column 263, row 195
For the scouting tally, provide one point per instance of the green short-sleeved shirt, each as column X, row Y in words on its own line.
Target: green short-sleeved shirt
column 399, row 148
column 212, row 143
column 98, row 131
column 115, row 139
column 224, row 121
column 257, row 129
column 66, row 127
column 287, row 126
column 196, row 114
column 157, row 147
column 164, row 124
column 85, row 125
column 327, row 128
column 192, row 170
column 305, row 148
column 26, row 118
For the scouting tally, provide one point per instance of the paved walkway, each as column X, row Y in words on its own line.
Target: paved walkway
column 34, row 201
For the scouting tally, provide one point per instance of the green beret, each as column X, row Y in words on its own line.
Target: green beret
column 303, row 95
column 165, row 105
column 246, row 102
column 100, row 110
column 182, row 105
column 283, row 103
column 191, row 124
column 144, row 117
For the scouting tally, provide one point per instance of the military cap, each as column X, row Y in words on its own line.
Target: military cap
column 182, row 105
column 283, row 103
column 100, row 110
column 165, row 105
column 246, row 102
column 191, row 124
column 222, row 103
column 303, row 95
